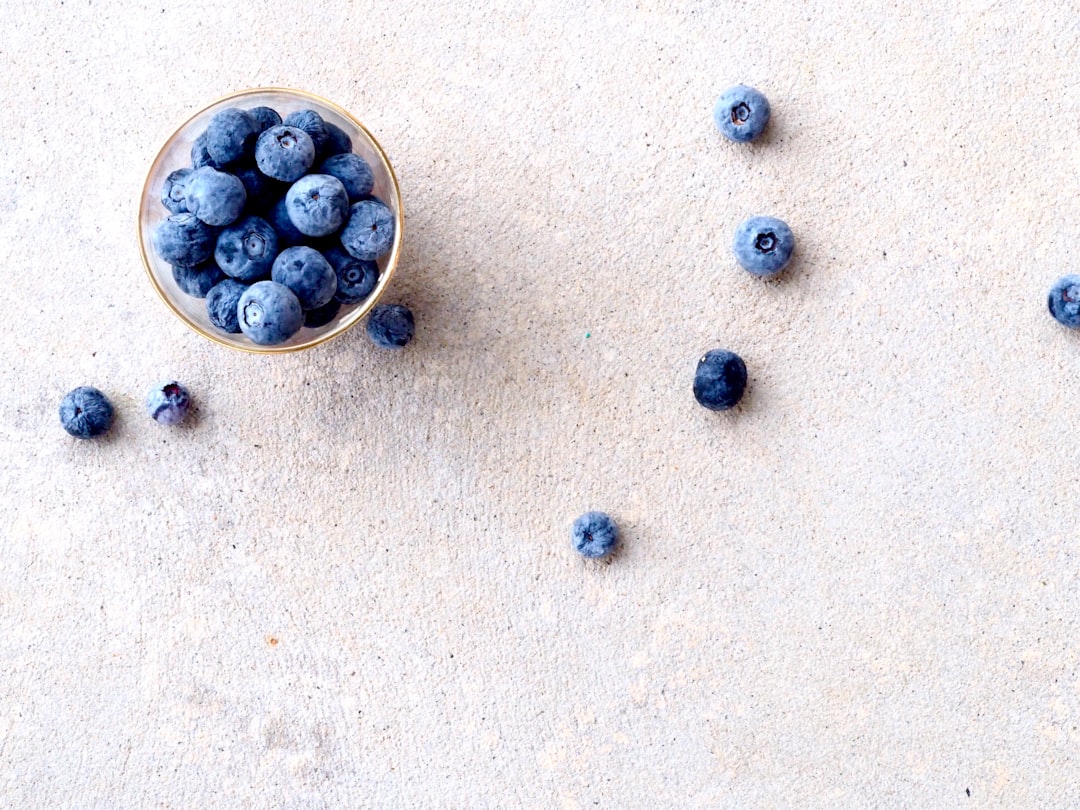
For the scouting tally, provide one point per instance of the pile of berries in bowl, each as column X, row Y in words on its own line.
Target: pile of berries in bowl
column 271, row 221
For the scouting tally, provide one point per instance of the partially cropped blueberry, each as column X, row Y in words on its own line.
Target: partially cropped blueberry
column 315, row 318
column 353, row 172
column 230, row 135
column 284, row 153
column 197, row 281
column 1064, row 301
column 269, row 313
column 594, row 535
column 763, row 245
column 317, row 204
column 246, row 249
column 86, row 412
column 264, row 118
column 200, row 155
column 221, row 301
column 278, row 216
column 338, row 141
column 369, row 231
column 306, row 272
column 720, row 380
column 390, row 326
column 168, row 403
column 356, row 278
column 312, row 123
column 184, row 239
column 215, row 197
column 261, row 191
column 741, row 113
column 172, row 191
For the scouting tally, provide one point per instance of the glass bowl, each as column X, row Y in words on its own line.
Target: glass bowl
column 176, row 154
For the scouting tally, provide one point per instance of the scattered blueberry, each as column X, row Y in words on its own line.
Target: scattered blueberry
column 246, row 250
column 390, row 326
column 221, row 303
column 763, row 245
column 230, row 135
column 353, row 172
column 269, row 313
column 184, row 239
column 594, row 535
column 215, row 197
column 168, row 403
column 264, row 118
column 741, row 113
column 307, row 273
column 369, row 232
column 314, row 318
column 720, row 380
column 1064, row 301
column 172, row 191
column 338, row 141
column 356, row 279
column 197, row 281
column 317, row 204
column 86, row 412
column 278, row 216
column 284, row 153
column 312, row 123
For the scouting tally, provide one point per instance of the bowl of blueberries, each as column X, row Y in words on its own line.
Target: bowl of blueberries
column 270, row 221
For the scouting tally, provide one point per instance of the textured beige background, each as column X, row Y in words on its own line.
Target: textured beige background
column 349, row 584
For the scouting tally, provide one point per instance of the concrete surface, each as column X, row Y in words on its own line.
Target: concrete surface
column 348, row 583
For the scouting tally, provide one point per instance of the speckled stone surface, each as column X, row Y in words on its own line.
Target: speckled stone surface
column 348, row 582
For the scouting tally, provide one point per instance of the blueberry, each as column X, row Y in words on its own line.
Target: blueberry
column 215, row 197
column 269, row 313
column 1064, row 301
column 261, row 190
column 314, row 318
column 168, row 403
column 221, row 303
column 183, row 239
column 86, row 412
column 356, row 279
column 200, row 155
column 353, row 172
column 307, row 273
column 230, row 135
column 197, row 281
column 338, row 141
column 264, row 118
column 594, row 535
column 317, row 204
column 369, row 232
column 720, row 380
column 763, row 245
column 172, row 191
column 284, row 153
column 312, row 123
column 390, row 326
column 741, row 113
column 246, row 250
column 278, row 216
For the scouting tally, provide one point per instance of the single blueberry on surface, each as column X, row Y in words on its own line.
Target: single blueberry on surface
column 312, row 123
column 247, row 249
column 317, row 204
column 741, row 113
column 315, row 318
column 353, row 172
column 172, row 191
column 264, row 118
column 284, row 153
column 215, row 197
column 390, row 326
column 269, row 313
column 307, row 273
column 763, row 245
column 338, row 141
column 720, row 380
column 230, row 135
column 168, row 403
column 184, row 239
column 221, row 303
column 1064, row 301
column 369, row 231
column 197, row 281
column 86, row 412
column 356, row 278
column 594, row 535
